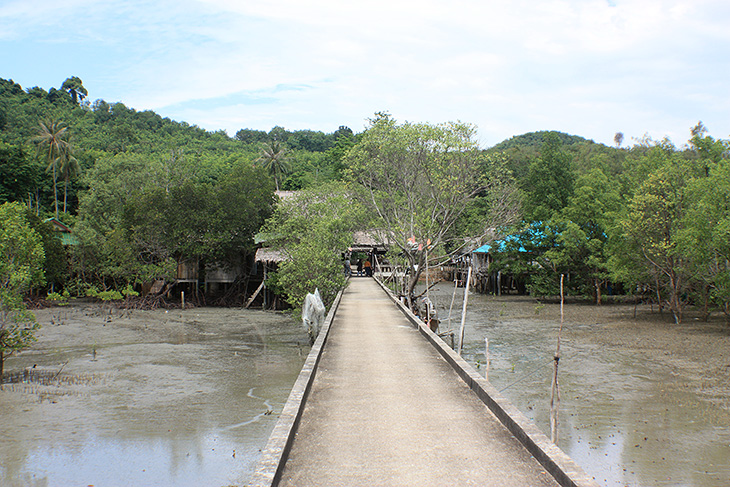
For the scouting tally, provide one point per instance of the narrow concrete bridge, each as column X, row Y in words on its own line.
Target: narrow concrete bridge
column 383, row 401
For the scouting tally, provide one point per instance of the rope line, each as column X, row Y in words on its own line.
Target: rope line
column 527, row 375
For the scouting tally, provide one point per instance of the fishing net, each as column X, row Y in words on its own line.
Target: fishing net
column 313, row 314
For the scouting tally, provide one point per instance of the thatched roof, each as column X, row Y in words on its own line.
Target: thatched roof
column 366, row 241
column 270, row 255
column 286, row 195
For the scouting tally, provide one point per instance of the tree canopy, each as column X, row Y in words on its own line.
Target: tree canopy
column 419, row 181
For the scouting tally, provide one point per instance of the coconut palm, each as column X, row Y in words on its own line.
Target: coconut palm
column 273, row 157
column 69, row 169
column 54, row 149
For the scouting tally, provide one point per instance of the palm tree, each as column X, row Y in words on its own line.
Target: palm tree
column 54, row 148
column 273, row 157
column 69, row 169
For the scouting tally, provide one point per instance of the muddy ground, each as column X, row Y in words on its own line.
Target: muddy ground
column 179, row 397
column 188, row 397
column 644, row 402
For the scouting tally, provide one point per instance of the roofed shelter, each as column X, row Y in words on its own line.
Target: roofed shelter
column 63, row 231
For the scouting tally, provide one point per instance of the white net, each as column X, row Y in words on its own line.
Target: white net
column 313, row 314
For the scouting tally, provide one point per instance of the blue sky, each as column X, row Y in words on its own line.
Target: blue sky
column 586, row 67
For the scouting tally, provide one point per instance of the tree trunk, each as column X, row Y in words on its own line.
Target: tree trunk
column 55, row 189
column 2, row 365
column 597, row 284
column 675, row 301
column 65, row 195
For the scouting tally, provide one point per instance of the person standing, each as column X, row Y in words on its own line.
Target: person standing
column 348, row 268
column 359, row 267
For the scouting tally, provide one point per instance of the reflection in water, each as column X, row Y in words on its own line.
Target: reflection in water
column 627, row 416
column 180, row 398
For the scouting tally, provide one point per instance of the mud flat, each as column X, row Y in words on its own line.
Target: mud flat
column 644, row 402
column 179, row 397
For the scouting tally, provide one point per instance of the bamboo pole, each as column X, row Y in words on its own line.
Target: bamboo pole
column 463, row 310
column 555, row 393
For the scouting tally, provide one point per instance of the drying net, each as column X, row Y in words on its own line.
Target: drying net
column 313, row 314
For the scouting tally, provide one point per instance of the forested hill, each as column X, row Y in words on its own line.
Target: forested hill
column 98, row 126
column 521, row 150
column 99, row 130
column 535, row 140
column 115, row 128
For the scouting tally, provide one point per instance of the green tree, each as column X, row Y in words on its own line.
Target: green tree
column 418, row 180
column 55, row 264
column 583, row 246
column 335, row 155
column 21, row 267
column 651, row 227
column 104, row 249
column 549, row 182
column 19, row 175
column 274, row 159
column 706, row 151
column 75, row 87
column 704, row 236
column 313, row 229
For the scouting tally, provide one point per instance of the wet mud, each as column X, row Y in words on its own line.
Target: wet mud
column 644, row 402
column 165, row 398
column 189, row 397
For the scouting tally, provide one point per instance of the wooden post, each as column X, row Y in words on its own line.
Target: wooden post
column 453, row 296
column 486, row 355
column 265, row 300
column 253, row 296
column 428, row 300
column 555, row 393
column 463, row 310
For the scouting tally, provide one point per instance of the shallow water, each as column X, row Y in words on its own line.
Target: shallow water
column 179, row 398
column 637, row 405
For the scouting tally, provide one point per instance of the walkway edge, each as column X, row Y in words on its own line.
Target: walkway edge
column 565, row 471
column 274, row 455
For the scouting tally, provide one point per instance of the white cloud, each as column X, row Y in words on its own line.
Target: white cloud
column 591, row 67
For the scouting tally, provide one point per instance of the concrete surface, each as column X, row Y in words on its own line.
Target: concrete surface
column 386, row 409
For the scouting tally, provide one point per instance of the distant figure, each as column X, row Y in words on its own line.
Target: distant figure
column 359, row 267
column 368, row 268
column 348, row 268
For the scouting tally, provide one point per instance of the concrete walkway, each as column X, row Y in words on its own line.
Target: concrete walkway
column 386, row 409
